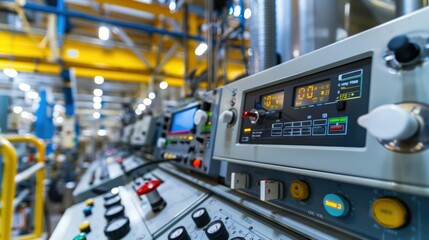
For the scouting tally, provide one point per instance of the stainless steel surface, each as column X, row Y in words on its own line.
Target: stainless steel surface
column 403, row 7
column 262, row 35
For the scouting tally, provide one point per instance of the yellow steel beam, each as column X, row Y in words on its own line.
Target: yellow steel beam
column 153, row 8
column 119, row 64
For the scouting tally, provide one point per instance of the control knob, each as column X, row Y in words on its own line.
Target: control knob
column 114, row 212
column 390, row 122
column 404, row 50
column 201, row 217
column 117, row 228
column 112, row 201
column 227, row 117
column 179, row 233
column 217, row 231
column 150, row 190
column 200, row 118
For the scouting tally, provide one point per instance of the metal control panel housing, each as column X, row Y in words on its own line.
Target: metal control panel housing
column 144, row 130
column 358, row 220
column 320, row 109
column 239, row 223
column 106, row 173
column 178, row 195
column 366, row 162
column 193, row 144
column 68, row 227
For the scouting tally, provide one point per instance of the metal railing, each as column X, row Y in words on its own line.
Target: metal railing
column 38, row 170
column 10, row 160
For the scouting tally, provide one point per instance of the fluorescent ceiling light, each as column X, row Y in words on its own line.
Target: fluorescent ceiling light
column 96, row 115
column 99, row 79
column 147, row 101
column 10, row 72
column 103, row 33
column 24, row 87
column 201, row 49
column 98, row 92
column 17, row 109
column 163, row 85
column 151, row 95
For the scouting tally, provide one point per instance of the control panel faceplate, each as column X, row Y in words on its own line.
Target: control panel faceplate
column 372, row 213
column 239, row 223
column 191, row 134
column 320, row 109
column 348, row 157
column 68, row 227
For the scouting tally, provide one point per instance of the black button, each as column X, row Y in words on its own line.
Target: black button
column 341, row 105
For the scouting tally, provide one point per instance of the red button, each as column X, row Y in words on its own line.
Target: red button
column 336, row 128
column 148, row 187
column 197, row 163
column 248, row 114
column 120, row 160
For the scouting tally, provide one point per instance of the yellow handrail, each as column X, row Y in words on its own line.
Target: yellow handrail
column 10, row 161
column 40, row 176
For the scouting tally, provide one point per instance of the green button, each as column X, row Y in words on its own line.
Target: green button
column 343, row 119
column 81, row 236
column 334, row 120
column 168, row 142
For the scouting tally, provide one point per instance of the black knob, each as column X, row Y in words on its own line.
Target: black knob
column 179, row 233
column 117, row 228
column 112, row 201
column 110, row 195
column 217, row 231
column 114, row 212
column 201, row 217
column 405, row 51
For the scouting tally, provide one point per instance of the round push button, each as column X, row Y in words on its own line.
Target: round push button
column 389, row 213
column 336, row 205
column 89, row 202
column 85, row 227
column 87, row 211
column 299, row 190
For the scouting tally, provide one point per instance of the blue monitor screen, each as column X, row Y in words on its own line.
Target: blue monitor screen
column 183, row 121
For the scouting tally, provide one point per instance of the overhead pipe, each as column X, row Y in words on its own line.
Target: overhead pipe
column 75, row 14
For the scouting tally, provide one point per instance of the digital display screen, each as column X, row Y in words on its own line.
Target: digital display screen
column 183, row 121
column 312, row 93
column 273, row 101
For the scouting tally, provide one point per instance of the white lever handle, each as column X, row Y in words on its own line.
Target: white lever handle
column 390, row 122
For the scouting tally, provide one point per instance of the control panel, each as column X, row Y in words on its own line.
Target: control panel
column 144, row 131
column 127, row 133
column 191, row 132
column 106, row 173
column 339, row 135
column 354, row 110
column 111, row 216
column 217, row 219
column 369, row 212
column 161, row 197
column 319, row 109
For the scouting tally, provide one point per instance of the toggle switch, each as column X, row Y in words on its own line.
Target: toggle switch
column 271, row 190
column 239, row 180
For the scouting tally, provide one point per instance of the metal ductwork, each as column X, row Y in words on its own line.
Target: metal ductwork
column 262, row 35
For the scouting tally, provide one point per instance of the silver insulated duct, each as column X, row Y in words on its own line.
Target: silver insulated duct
column 262, row 35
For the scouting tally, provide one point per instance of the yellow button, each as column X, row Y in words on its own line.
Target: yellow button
column 85, row 227
column 389, row 213
column 89, row 202
column 299, row 190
